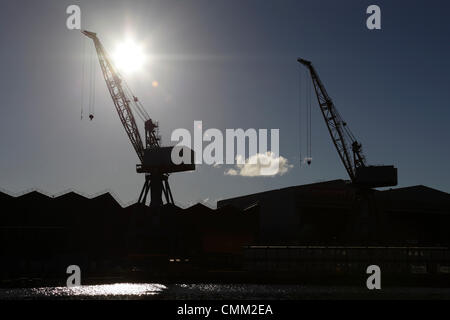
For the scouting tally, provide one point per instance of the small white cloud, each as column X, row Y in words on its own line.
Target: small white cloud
column 231, row 172
column 261, row 164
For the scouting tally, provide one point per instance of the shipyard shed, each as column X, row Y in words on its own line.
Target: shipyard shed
column 41, row 235
column 335, row 213
column 416, row 215
column 288, row 215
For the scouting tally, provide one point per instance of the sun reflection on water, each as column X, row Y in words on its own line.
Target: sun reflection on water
column 132, row 290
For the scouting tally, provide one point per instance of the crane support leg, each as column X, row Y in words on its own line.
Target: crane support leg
column 167, row 191
column 145, row 189
column 156, row 184
column 156, row 188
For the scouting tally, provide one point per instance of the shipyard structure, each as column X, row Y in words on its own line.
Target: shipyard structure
column 326, row 228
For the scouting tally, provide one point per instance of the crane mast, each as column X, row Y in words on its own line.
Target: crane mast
column 348, row 148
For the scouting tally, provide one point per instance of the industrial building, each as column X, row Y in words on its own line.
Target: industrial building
column 42, row 235
column 334, row 213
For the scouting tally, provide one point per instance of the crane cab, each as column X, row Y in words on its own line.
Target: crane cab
column 376, row 176
column 160, row 160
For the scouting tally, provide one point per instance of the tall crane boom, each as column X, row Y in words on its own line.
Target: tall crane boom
column 121, row 102
column 155, row 161
column 348, row 148
column 340, row 135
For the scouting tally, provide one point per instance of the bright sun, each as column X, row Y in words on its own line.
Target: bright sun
column 129, row 57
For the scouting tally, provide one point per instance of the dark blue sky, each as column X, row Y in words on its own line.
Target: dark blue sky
column 231, row 64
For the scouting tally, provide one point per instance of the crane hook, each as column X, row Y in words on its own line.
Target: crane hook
column 91, row 116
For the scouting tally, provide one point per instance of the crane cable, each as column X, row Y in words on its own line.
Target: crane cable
column 305, row 103
column 92, row 67
column 300, row 112
column 90, row 82
column 83, row 67
column 310, row 120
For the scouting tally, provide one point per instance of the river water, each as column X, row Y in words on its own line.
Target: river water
column 217, row 292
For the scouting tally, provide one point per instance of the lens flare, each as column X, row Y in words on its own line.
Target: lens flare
column 129, row 56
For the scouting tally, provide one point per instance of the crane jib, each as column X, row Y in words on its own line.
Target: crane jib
column 348, row 148
column 121, row 103
column 154, row 160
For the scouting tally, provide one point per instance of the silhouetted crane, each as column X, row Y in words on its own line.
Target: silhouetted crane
column 155, row 160
column 348, row 148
